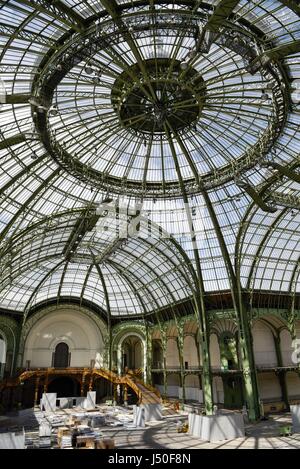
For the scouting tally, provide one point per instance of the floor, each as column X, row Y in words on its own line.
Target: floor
column 262, row 435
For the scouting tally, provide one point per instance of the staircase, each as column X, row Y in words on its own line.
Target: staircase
column 146, row 393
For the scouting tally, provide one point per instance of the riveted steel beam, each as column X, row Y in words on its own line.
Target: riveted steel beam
column 222, row 11
column 37, row 288
column 245, row 339
column 200, row 310
column 25, row 206
column 58, row 10
column 108, row 310
column 285, row 199
column 22, row 173
column 10, row 141
column 256, row 197
column 275, row 54
column 284, row 170
column 17, row 98
column 131, row 284
column 25, row 35
column 261, row 246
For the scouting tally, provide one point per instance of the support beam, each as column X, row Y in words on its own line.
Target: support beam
column 180, row 346
column 58, row 10
column 10, row 141
column 22, row 173
column 283, row 170
column 107, row 302
column 18, row 98
column 262, row 244
column 24, row 34
column 200, row 310
column 286, row 200
column 245, row 337
column 85, row 223
column 112, row 8
column 211, row 30
column 222, row 11
column 255, row 196
column 275, row 54
column 292, row 5
column 27, row 203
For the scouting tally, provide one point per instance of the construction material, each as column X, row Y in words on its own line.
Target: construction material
column 153, row 412
column 224, row 426
column 48, row 402
column 12, row 440
column 90, row 401
column 295, row 411
column 45, row 429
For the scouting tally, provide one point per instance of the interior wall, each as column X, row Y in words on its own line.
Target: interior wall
column 218, row 390
column 172, row 355
column 214, row 351
column 2, row 351
column 190, row 354
column 269, row 387
column 263, row 345
column 286, row 347
column 74, row 328
column 173, row 385
column 2, row 357
column 293, row 385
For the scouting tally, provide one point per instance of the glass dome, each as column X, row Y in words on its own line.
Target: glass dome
column 180, row 119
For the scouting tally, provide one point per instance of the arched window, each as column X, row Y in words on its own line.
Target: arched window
column 61, row 356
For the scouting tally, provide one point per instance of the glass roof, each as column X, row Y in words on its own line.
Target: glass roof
column 177, row 119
